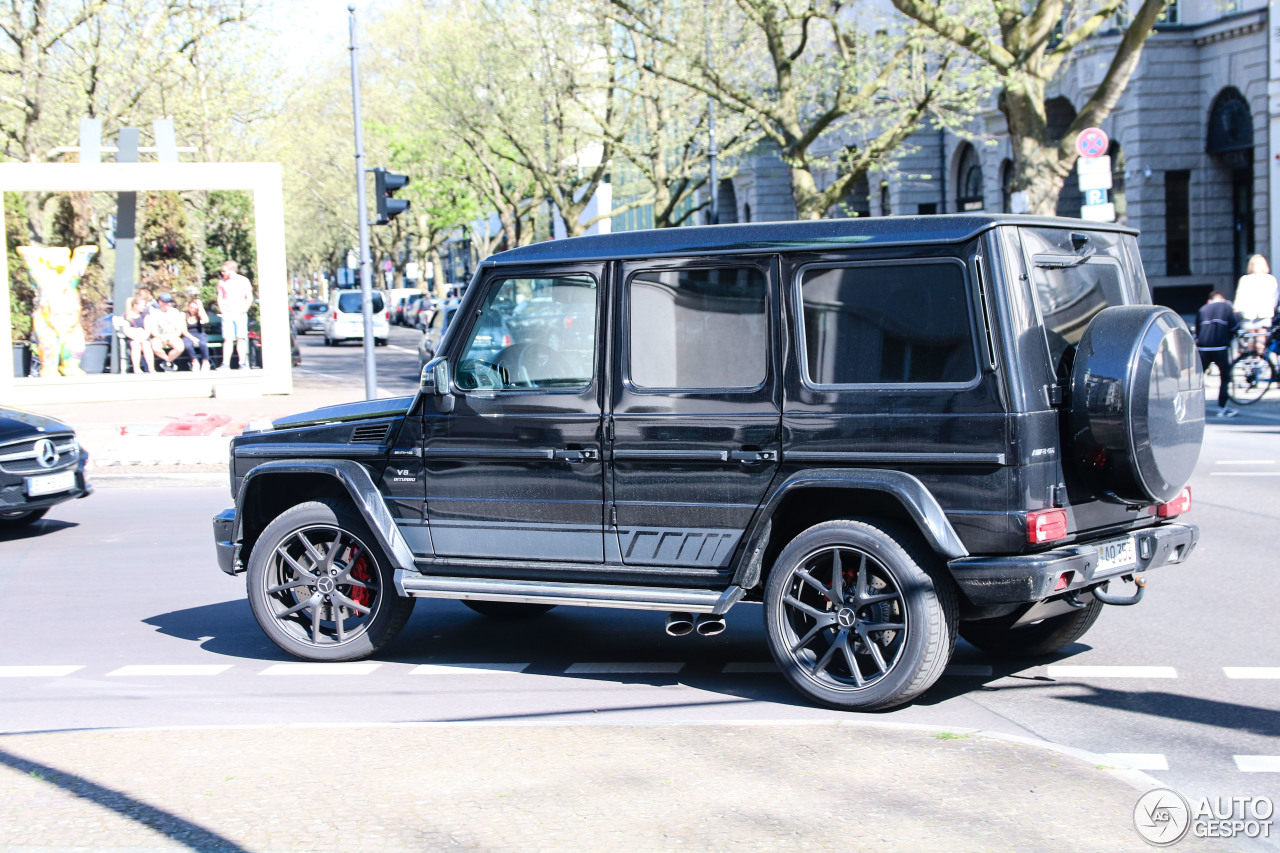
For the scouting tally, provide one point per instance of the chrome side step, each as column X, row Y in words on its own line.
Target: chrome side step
column 579, row 594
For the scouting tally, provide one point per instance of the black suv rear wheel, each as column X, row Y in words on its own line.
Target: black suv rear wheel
column 320, row 589
column 859, row 618
column 1045, row 637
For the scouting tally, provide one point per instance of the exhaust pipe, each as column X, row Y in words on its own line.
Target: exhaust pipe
column 709, row 626
column 679, row 624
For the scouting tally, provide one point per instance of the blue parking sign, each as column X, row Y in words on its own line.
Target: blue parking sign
column 1095, row 196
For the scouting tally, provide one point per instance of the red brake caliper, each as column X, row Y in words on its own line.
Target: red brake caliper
column 360, row 571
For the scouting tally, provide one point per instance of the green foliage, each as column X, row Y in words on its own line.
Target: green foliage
column 73, row 226
column 228, row 218
column 166, row 249
column 21, row 292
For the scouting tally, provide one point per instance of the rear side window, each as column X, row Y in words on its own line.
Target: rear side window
column 889, row 323
column 699, row 329
column 349, row 303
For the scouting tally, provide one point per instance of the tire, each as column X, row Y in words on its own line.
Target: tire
column 307, row 620
column 1042, row 638
column 379, row 342
column 1136, row 418
column 19, row 519
column 1249, row 378
column 831, row 654
column 507, row 609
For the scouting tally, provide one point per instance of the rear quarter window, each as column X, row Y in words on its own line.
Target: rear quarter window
column 886, row 323
column 1070, row 293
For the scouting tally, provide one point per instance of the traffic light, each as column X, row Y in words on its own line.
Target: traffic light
column 389, row 207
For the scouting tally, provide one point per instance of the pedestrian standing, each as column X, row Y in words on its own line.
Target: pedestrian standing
column 235, row 295
column 1216, row 325
column 1256, row 295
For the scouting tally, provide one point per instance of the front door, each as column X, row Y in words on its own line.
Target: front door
column 695, row 413
column 514, row 472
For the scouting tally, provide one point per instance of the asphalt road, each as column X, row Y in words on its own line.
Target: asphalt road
column 397, row 362
column 120, row 598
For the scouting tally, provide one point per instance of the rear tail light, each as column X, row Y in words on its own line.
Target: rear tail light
column 1177, row 506
column 386, row 315
column 506, row 340
column 1046, row 525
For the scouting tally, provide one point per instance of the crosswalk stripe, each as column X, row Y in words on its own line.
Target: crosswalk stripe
column 1139, row 760
column 36, row 671
column 171, row 669
column 625, row 667
column 320, row 669
column 1257, row 763
column 1064, row 671
column 467, row 668
column 1252, row 671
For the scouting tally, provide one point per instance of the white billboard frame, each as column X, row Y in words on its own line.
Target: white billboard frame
column 265, row 183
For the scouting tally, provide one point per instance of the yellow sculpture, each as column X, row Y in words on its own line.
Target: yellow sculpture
column 56, row 272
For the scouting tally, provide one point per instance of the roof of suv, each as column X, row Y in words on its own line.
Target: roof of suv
column 775, row 236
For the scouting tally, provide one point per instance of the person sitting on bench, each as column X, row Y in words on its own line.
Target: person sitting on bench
column 170, row 331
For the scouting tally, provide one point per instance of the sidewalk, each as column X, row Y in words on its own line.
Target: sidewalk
column 550, row 787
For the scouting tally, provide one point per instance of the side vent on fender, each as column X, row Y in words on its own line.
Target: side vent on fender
column 369, row 434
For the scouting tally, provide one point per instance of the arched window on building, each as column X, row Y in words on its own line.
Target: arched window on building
column 857, row 201
column 1006, row 186
column 746, row 212
column 968, row 180
column 1116, row 153
column 885, row 204
column 1059, row 113
column 726, row 202
column 1230, row 144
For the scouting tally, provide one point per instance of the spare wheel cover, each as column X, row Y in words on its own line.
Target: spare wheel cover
column 1137, row 404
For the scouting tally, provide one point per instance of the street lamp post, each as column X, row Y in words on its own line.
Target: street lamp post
column 362, row 216
column 713, row 208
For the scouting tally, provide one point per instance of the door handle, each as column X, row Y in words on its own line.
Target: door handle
column 584, row 455
column 750, row 455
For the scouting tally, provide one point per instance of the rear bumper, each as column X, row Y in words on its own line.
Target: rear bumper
column 1025, row 578
column 224, row 528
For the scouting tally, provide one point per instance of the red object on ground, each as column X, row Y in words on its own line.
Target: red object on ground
column 197, row 424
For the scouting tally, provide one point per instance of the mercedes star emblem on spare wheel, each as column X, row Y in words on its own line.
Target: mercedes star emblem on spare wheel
column 46, row 453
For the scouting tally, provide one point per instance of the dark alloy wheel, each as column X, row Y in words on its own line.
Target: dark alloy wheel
column 507, row 609
column 21, row 518
column 318, row 588
column 1045, row 637
column 853, row 619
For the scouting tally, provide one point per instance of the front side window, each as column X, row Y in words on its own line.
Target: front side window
column 887, row 323
column 699, row 329
column 532, row 333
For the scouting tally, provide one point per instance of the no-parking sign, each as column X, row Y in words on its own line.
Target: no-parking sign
column 1092, row 142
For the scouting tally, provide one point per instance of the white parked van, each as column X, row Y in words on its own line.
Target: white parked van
column 344, row 321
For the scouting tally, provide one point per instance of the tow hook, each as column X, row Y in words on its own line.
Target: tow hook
column 1100, row 593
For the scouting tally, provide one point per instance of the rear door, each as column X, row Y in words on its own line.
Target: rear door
column 695, row 411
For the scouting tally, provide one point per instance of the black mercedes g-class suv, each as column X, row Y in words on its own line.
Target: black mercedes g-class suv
column 886, row 430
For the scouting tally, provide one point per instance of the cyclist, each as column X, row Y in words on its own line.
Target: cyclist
column 1216, row 325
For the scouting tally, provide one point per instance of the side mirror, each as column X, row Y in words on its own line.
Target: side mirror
column 435, row 381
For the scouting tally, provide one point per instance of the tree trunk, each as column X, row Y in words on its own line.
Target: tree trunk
column 805, row 194
column 437, row 272
column 1037, row 168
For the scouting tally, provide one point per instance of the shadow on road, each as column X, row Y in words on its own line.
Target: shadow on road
column 226, row 628
column 171, row 826
column 42, row 527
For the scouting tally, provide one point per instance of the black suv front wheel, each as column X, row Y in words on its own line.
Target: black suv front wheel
column 855, row 617
column 319, row 589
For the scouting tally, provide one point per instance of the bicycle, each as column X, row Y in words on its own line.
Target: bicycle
column 1252, row 373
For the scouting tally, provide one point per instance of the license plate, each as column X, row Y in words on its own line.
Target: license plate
column 51, row 484
column 1115, row 556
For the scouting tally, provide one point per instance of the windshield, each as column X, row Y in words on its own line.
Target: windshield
column 349, row 303
column 1069, row 296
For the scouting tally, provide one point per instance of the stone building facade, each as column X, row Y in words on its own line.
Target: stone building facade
column 1192, row 142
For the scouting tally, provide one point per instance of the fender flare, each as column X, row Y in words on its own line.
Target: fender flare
column 920, row 503
column 355, row 479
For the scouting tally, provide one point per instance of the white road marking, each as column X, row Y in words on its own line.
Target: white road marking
column 402, row 349
column 1139, row 760
column 172, row 669
column 629, row 666
column 1257, row 763
column 320, row 669
column 467, row 668
column 1252, row 671
column 1245, row 462
column 1244, row 473
column 750, row 667
column 36, row 671
column 980, row 670
column 1112, row 672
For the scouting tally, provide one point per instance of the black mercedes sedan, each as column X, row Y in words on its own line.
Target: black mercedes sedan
column 41, row 464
